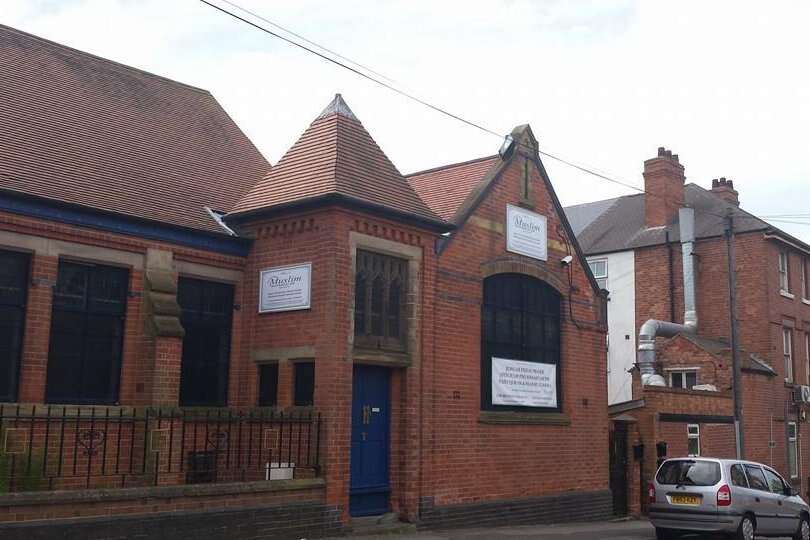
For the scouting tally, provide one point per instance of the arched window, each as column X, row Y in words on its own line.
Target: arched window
column 379, row 301
column 520, row 344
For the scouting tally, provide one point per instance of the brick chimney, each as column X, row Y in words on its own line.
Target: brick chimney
column 663, row 182
column 725, row 189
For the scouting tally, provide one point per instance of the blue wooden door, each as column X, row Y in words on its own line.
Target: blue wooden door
column 370, row 487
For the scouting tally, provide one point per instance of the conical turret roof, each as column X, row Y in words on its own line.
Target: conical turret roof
column 335, row 157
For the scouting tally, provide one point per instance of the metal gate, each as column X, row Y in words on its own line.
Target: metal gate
column 618, row 467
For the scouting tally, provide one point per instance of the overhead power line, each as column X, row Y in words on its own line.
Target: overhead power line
column 357, row 71
column 304, row 39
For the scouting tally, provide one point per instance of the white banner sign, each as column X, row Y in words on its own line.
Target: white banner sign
column 527, row 384
column 526, row 233
column 285, row 288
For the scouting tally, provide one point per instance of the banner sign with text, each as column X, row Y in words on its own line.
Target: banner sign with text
column 526, row 233
column 285, row 288
column 525, row 384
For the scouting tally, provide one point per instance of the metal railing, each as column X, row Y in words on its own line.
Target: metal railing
column 66, row 447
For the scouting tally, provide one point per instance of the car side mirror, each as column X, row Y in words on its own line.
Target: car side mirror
column 791, row 491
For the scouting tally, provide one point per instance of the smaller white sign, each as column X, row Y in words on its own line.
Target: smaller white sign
column 526, row 233
column 285, row 288
column 526, row 384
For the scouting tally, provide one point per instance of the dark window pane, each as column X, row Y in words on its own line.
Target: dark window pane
column 690, row 378
column 393, row 316
column 13, row 290
column 71, row 286
column 207, row 307
column 360, row 304
column 520, row 321
column 268, row 385
column 755, row 478
column 377, row 293
column 379, row 301
column 738, row 476
column 304, row 376
column 689, row 472
column 774, row 482
column 87, row 329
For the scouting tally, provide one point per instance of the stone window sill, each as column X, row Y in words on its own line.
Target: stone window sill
column 806, row 301
column 521, row 418
column 786, row 294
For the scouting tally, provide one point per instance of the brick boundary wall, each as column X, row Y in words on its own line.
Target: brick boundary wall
column 274, row 522
column 558, row 508
column 255, row 510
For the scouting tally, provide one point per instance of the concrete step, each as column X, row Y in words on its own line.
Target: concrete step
column 384, row 525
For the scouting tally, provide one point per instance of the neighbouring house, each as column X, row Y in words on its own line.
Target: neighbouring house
column 640, row 247
column 197, row 344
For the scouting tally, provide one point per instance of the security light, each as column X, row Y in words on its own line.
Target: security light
column 507, row 147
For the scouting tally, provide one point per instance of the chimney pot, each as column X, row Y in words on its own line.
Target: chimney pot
column 724, row 188
column 664, row 184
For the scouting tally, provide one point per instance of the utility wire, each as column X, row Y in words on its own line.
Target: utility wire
column 427, row 104
column 302, row 38
column 355, row 71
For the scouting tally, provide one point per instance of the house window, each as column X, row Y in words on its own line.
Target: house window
column 787, row 348
column 792, row 451
column 693, row 439
column 807, row 356
column 686, row 378
column 13, row 289
column 784, row 272
column 599, row 267
column 520, row 321
column 206, row 307
column 87, row 334
column 304, row 381
column 268, row 385
column 380, row 294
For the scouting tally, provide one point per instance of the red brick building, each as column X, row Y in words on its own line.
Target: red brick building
column 195, row 341
column 690, row 409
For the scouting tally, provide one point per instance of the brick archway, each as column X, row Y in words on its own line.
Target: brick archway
column 536, row 269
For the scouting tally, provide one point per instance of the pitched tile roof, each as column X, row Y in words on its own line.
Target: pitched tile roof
column 84, row 130
column 444, row 189
column 335, row 156
column 618, row 224
column 721, row 348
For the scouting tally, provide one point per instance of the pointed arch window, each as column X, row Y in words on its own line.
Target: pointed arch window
column 379, row 301
column 520, row 319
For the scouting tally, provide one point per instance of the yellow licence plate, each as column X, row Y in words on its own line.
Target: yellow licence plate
column 686, row 499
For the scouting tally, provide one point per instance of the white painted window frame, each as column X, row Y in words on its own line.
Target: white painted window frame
column 683, row 371
column 603, row 276
column 784, row 272
column 787, row 352
column 693, row 436
column 793, row 461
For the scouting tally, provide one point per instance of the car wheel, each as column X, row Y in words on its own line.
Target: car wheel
column 803, row 532
column 746, row 530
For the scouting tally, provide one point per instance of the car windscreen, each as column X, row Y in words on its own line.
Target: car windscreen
column 689, row 472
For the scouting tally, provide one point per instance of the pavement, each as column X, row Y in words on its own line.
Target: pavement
column 613, row 530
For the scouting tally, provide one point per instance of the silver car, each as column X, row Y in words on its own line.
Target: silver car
column 738, row 498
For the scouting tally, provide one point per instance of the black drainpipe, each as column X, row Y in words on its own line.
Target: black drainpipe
column 671, row 279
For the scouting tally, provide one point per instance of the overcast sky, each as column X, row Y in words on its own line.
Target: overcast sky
column 726, row 85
